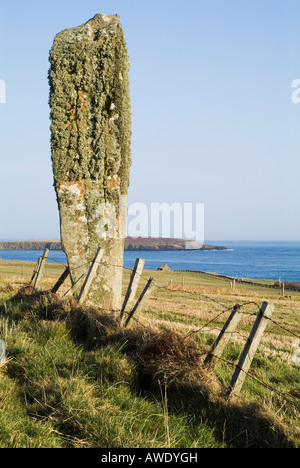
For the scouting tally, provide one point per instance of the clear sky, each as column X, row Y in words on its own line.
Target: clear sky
column 213, row 120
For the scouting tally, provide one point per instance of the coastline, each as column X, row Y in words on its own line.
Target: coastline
column 131, row 243
column 270, row 261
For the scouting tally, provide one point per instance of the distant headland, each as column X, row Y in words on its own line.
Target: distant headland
column 131, row 243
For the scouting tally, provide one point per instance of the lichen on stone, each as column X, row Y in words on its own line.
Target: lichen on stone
column 90, row 102
column 90, row 123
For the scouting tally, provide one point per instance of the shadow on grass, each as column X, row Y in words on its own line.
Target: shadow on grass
column 235, row 425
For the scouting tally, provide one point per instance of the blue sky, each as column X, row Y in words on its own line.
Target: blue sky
column 213, row 120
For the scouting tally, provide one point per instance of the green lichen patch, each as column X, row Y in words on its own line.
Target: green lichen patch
column 90, row 103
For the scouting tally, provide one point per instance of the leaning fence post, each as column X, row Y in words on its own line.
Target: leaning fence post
column 71, row 290
column 146, row 293
column 36, row 269
column 61, row 280
column 250, row 349
column 133, row 285
column 40, row 271
column 90, row 276
column 224, row 337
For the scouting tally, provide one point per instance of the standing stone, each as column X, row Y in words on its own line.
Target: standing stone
column 91, row 155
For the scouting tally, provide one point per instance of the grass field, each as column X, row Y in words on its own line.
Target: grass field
column 75, row 378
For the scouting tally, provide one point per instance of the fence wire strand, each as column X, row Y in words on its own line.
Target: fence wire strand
column 184, row 291
column 206, row 325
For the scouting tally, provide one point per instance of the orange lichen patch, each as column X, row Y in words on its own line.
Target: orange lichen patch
column 77, row 187
column 113, row 183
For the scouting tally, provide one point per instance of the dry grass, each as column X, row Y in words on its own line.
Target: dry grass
column 169, row 358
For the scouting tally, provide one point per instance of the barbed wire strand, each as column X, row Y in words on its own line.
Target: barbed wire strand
column 269, row 387
column 226, row 308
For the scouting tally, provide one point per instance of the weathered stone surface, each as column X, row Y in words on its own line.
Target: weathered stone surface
column 90, row 142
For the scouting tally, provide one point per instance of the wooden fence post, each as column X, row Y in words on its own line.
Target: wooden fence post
column 146, row 293
column 71, row 290
column 224, row 337
column 133, row 285
column 40, row 271
column 90, row 276
column 250, row 349
column 36, row 269
column 61, row 280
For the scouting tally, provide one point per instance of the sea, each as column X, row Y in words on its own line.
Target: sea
column 242, row 259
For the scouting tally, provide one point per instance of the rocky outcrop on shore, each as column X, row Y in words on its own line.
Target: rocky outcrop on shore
column 151, row 243
column 30, row 245
column 131, row 243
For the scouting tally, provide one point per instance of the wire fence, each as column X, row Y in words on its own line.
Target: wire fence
column 182, row 291
column 225, row 309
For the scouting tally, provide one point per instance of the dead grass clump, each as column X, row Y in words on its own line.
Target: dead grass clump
column 91, row 325
column 170, row 357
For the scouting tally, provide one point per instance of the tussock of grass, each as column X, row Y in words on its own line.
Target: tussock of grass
column 170, row 357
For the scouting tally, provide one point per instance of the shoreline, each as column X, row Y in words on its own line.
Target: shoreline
column 131, row 244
